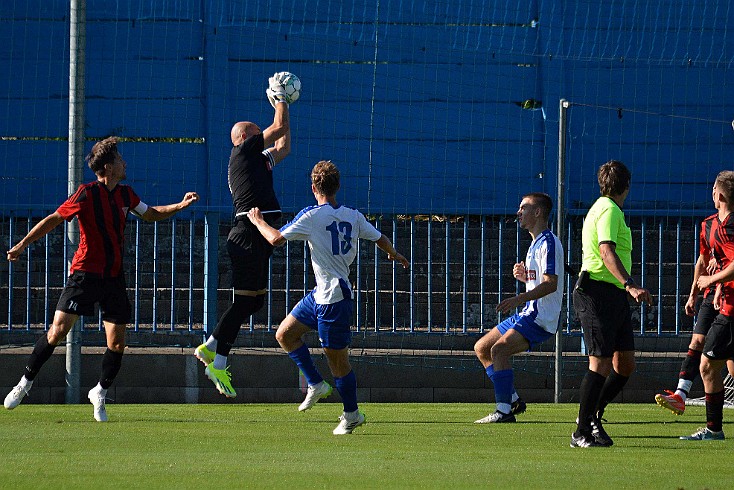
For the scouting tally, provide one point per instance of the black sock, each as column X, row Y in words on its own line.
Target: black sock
column 714, row 411
column 612, row 386
column 111, row 362
column 589, row 392
column 231, row 322
column 690, row 367
column 41, row 353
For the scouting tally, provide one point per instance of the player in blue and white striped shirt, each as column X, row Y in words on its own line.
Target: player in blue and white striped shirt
column 542, row 272
column 331, row 231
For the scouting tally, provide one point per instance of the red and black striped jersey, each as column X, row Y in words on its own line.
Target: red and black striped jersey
column 719, row 235
column 705, row 248
column 102, row 217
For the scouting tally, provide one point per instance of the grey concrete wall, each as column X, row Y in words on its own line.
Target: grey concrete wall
column 264, row 375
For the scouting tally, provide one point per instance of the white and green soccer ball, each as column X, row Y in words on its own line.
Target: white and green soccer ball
column 292, row 85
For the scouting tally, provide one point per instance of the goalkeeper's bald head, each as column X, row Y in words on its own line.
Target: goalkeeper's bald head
column 243, row 130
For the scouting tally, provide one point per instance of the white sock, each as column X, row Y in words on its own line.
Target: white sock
column 684, row 386
column 220, row 361
column 211, row 343
column 25, row 383
column 100, row 390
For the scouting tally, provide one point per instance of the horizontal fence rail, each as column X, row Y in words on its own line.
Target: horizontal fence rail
column 461, row 266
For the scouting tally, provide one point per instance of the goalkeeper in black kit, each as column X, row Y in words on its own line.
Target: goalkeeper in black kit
column 250, row 179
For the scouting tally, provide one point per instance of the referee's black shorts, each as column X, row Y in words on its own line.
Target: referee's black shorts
column 250, row 254
column 605, row 315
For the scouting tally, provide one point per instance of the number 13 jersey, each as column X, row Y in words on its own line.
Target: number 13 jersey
column 332, row 235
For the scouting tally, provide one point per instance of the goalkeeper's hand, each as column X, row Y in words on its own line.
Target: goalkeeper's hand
column 276, row 96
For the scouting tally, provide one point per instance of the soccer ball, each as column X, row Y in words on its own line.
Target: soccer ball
column 292, row 87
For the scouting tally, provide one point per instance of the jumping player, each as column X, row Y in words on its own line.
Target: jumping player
column 250, row 177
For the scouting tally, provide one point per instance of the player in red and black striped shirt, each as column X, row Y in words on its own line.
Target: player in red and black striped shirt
column 719, row 344
column 96, row 275
column 707, row 312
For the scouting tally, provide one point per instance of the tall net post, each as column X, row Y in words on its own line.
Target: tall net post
column 77, row 44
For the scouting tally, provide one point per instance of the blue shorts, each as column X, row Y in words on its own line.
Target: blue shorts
column 527, row 328
column 333, row 322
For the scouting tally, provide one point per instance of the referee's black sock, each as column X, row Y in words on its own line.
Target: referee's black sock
column 591, row 387
column 41, row 353
column 612, row 386
column 231, row 322
column 111, row 362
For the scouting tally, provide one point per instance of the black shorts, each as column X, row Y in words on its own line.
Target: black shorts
column 706, row 315
column 719, row 343
column 250, row 254
column 605, row 315
column 84, row 289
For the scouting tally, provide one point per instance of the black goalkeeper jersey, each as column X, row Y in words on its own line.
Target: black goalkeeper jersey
column 250, row 177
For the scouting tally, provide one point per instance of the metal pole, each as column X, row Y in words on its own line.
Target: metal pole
column 77, row 45
column 560, row 227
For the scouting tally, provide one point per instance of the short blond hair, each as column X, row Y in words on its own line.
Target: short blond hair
column 325, row 178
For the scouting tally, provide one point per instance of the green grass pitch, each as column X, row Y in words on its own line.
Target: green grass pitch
column 401, row 446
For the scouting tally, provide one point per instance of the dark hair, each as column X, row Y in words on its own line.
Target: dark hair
column 102, row 153
column 543, row 201
column 725, row 183
column 614, row 178
column 325, row 178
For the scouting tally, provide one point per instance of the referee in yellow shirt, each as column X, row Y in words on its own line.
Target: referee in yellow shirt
column 600, row 299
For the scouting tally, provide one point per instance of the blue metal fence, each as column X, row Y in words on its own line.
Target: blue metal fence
column 460, row 267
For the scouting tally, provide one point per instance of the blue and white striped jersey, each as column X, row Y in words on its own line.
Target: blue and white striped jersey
column 332, row 235
column 545, row 256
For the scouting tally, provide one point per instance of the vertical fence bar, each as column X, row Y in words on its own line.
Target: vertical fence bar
column 211, row 270
column 465, row 281
column 358, row 300
column 643, row 228
column 173, row 274
column 482, row 234
column 191, row 275
column 394, row 277
column 28, row 279
column 287, row 276
column 412, row 274
column 447, row 287
column 569, row 284
column 377, row 281
column 46, row 279
column 660, row 279
column 270, row 295
column 677, row 276
column 430, row 275
column 137, row 276
column 11, row 223
column 155, row 276
column 499, row 266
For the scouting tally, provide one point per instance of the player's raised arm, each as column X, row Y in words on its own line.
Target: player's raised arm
column 158, row 213
column 283, row 89
column 39, row 231
column 386, row 246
